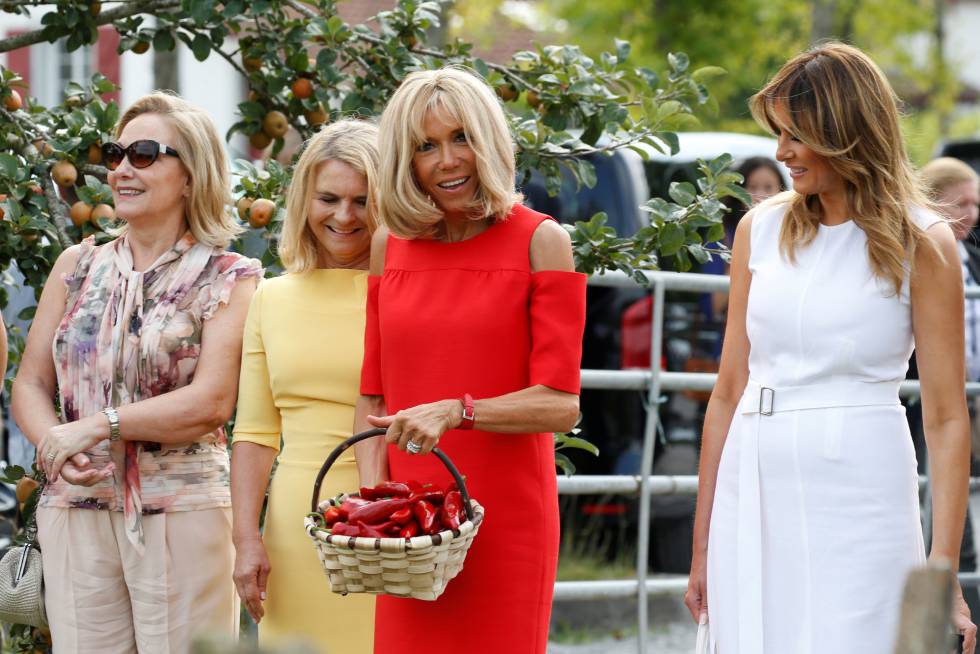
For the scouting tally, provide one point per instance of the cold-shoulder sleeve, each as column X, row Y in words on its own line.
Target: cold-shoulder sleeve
column 371, row 383
column 557, row 324
column 228, row 268
column 257, row 420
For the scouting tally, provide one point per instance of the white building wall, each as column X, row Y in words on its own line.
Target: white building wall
column 962, row 23
column 217, row 88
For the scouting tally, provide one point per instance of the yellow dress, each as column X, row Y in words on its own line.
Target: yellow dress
column 301, row 366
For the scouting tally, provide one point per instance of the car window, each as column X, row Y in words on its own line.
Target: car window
column 613, row 193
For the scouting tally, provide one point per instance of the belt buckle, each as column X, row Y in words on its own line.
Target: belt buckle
column 762, row 400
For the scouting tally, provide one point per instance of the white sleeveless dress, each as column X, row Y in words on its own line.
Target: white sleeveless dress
column 815, row 521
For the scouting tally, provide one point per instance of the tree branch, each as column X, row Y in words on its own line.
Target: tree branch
column 104, row 18
column 377, row 40
column 59, row 217
column 91, row 169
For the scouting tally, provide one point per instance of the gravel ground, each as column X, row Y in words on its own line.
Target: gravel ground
column 673, row 638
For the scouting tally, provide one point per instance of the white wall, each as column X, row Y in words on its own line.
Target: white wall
column 217, row 88
column 962, row 22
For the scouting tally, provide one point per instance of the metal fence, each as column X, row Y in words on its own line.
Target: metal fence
column 644, row 485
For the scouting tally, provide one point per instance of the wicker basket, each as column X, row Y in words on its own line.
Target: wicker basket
column 418, row 567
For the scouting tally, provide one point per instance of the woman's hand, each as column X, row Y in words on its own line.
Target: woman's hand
column 78, row 470
column 62, row 442
column 962, row 622
column 423, row 425
column 696, row 597
column 251, row 575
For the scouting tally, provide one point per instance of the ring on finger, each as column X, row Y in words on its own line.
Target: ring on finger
column 413, row 447
column 51, row 457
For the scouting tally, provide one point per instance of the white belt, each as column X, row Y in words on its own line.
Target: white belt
column 767, row 400
column 762, row 401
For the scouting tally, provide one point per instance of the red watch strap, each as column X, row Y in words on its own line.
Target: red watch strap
column 469, row 416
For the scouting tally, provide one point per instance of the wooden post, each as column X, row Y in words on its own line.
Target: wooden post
column 926, row 604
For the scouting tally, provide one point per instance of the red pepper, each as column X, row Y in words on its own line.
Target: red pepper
column 413, row 484
column 344, row 529
column 350, row 504
column 411, row 530
column 402, row 516
column 430, row 496
column 450, row 518
column 392, row 489
column 425, row 513
column 370, row 531
column 391, row 528
column 331, row 515
column 378, row 511
column 367, row 493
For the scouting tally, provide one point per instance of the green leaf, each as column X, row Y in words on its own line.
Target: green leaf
column 678, row 61
column 164, row 41
column 708, row 72
column 9, row 165
column 682, row 193
column 565, row 464
column 671, row 239
column 201, row 47
column 622, row 50
column 12, row 474
column 574, row 442
column 716, row 233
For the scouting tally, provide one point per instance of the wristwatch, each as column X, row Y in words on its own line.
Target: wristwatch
column 469, row 415
column 113, row 417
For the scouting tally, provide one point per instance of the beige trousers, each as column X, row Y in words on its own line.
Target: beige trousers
column 101, row 596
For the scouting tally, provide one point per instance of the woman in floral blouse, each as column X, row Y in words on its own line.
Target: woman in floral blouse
column 137, row 342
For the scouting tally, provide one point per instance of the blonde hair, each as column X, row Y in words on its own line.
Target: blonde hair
column 354, row 142
column 466, row 99
column 841, row 106
column 939, row 174
column 203, row 156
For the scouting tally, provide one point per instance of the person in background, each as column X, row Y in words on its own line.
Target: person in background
column 301, row 365
column 955, row 187
column 129, row 376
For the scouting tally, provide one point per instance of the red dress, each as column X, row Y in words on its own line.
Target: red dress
column 470, row 317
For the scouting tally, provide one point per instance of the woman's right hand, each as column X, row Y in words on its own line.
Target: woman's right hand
column 251, row 575
column 78, row 470
column 696, row 597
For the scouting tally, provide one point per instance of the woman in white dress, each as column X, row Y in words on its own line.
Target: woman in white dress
column 808, row 518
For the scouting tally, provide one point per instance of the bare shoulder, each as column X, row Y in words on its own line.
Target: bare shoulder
column 379, row 245
column 551, row 248
column 941, row 240
column 67, row 261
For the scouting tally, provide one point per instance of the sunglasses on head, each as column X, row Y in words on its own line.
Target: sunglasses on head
column 140, row 153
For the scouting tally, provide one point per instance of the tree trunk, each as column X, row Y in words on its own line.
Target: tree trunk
column 822, row 20
column 166, row 71
column 941, row 71
column 926, row 604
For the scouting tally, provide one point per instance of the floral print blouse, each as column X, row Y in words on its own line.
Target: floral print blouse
column 127, row 336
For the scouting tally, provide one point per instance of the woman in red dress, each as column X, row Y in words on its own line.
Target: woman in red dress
column 473, row 342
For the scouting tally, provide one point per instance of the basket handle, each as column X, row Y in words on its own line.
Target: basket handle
column 371, row 433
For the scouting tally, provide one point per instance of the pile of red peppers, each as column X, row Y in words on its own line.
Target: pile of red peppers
column 395, row 509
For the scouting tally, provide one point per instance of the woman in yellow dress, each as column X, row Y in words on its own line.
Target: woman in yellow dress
column 301, row 362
